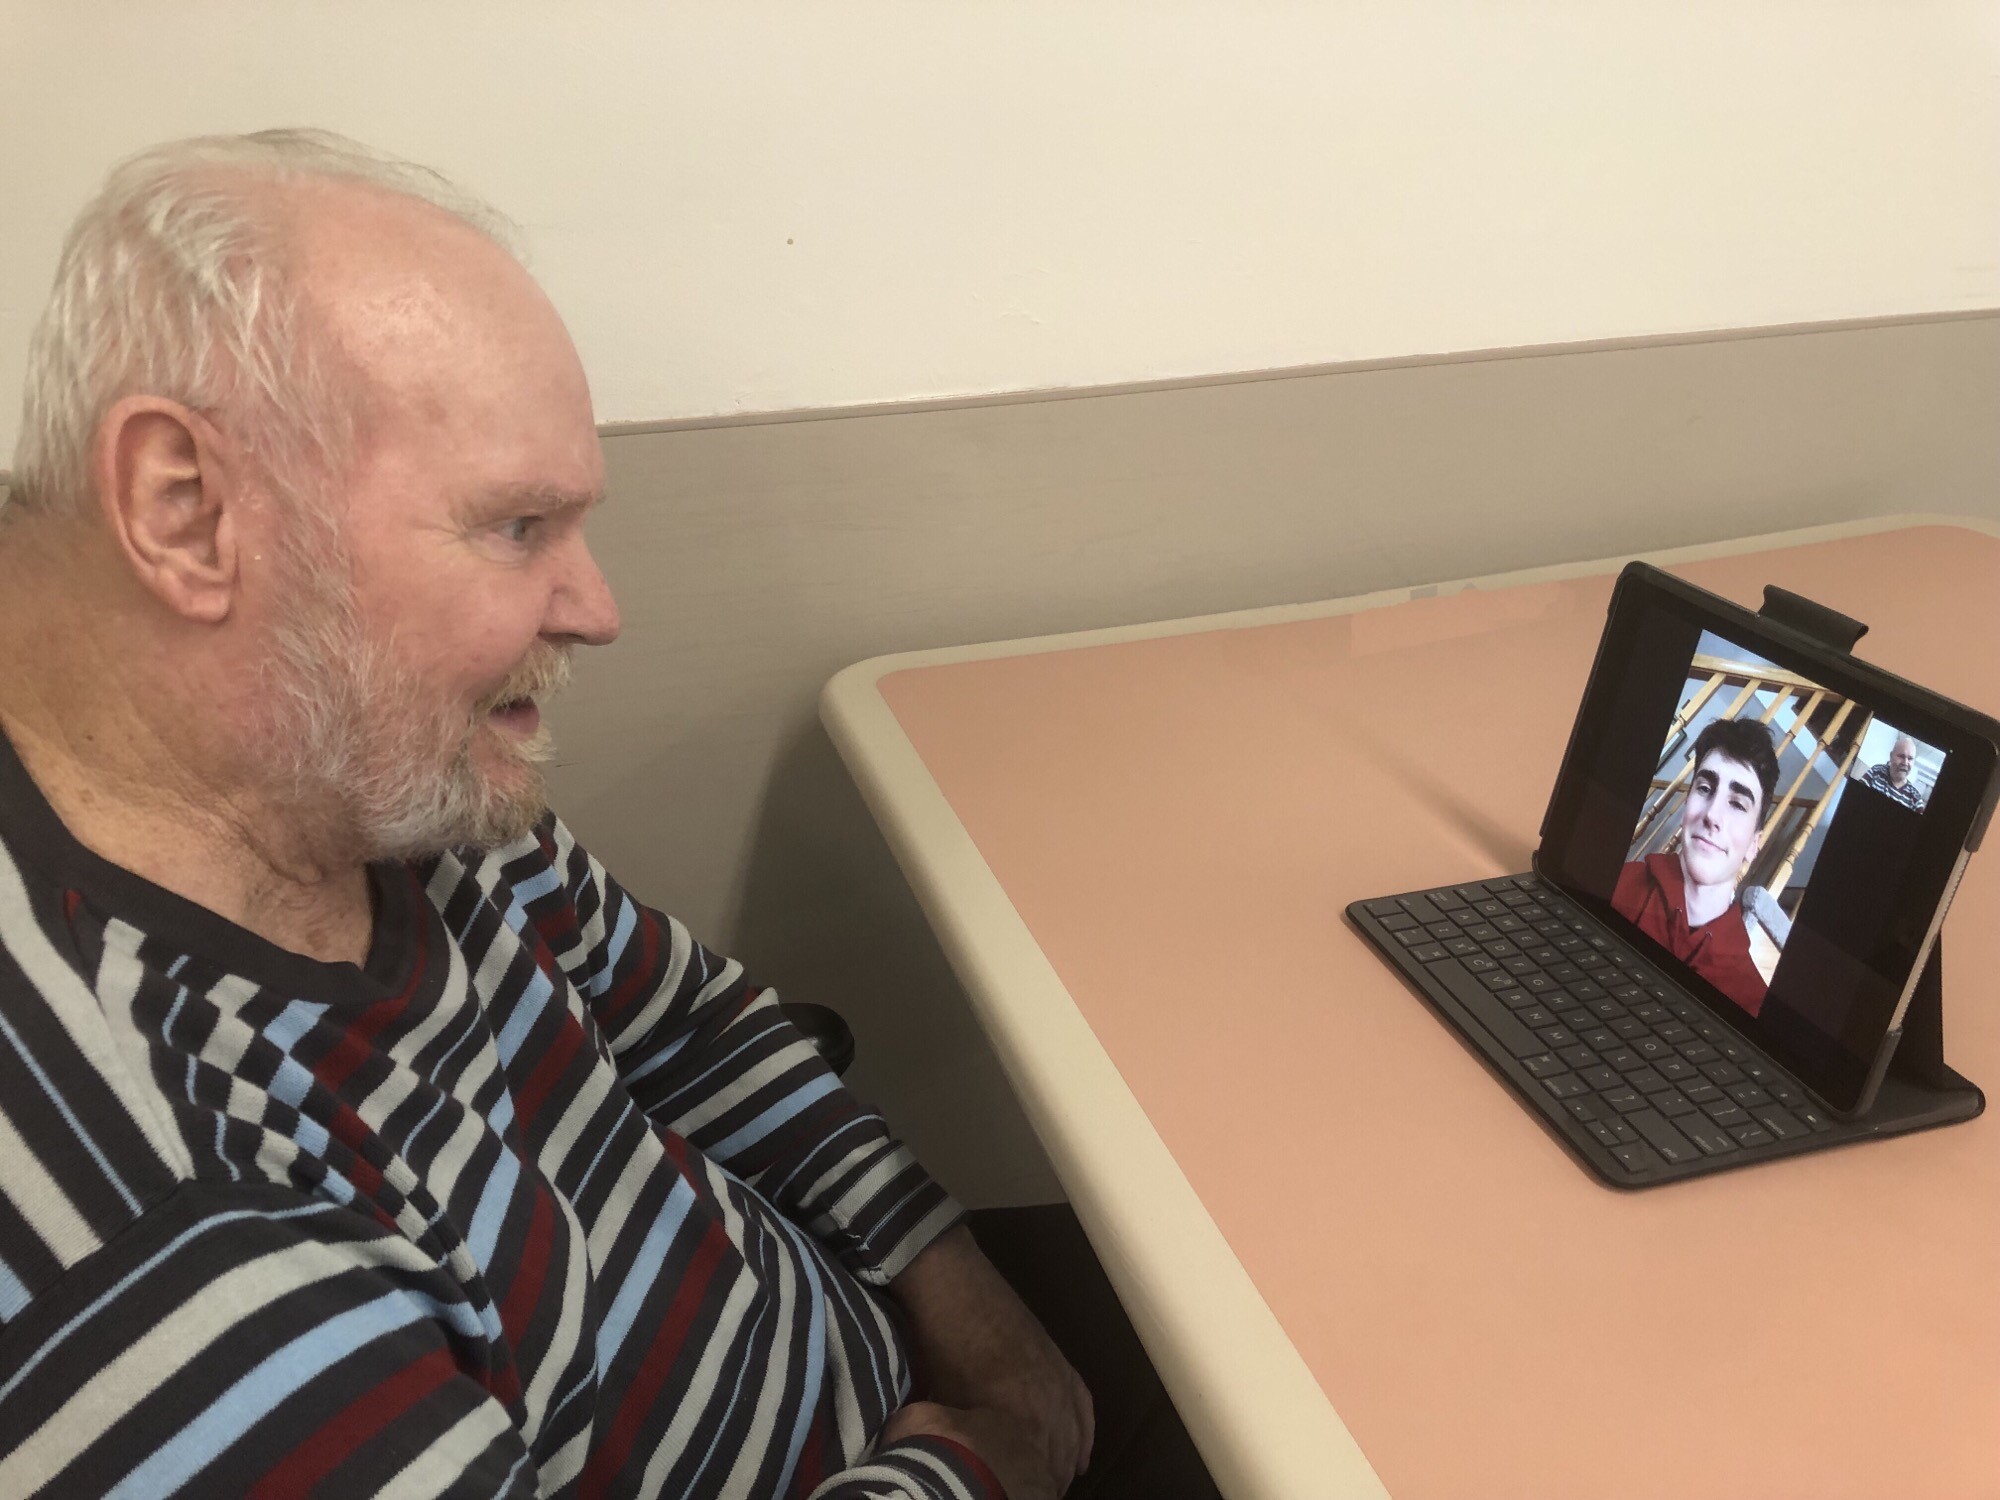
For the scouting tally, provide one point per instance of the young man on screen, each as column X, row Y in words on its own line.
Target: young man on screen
column 1685, row 900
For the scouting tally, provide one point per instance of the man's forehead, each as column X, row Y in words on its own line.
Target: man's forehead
column 1726, row 768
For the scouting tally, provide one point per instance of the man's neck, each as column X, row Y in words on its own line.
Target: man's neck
column 1705, row 902
column 162, row 807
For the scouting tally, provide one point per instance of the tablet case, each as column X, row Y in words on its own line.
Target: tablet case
column 1919, row 1089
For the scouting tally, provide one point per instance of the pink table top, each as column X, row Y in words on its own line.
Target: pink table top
column 1179, row 822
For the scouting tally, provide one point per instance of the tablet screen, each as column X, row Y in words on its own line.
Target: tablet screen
column 1770, row 828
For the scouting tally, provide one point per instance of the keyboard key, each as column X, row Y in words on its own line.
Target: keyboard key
column 1421, row 909
column 1521, row 964
column 1537, row 1016
column 1508, row 923
column 1576, row 1054
column 1469, row 992
column 1811, row 1114
column 1530, row 913
column 1446, row 900
column 1582, row 1109
column 1514, row 897
column 1698, row 1052
column 1784, row 1093
column 1462, row 947
column 1624, row 990
column 1540, row 983
column 1629, row 1027
column 1713, row 1142
column 1500, row 949
column 1624, row 1100
column 1565, row 1085
column 1481, row 932
column 1704, row 1094
column 1635, row 1158
column 1747, row 1094
column 1471, row 894
column 1673, row 1104
column 1752, row 1134
column 1557, row 1037
column 1652, row 1049
column 1601, row 1078
column 1600, row 1037
column 1388, row 906
column 1661, row 1135
column 1413, row 937
column 1651, row 1012
column 1673, row 1031
column 1444, row 932
column 1588, row 960
column 1678, row 1069
column 1569, row 942
column 1584, row 989
column 1608, row 1136
column 1782, row 1123
column 1646, row 1081
column 1565, row 972
column 1397, row 920
column 1723, row 1072
column 1481, row 965
column 1500, row 979
column 1727, row 1115
column 1543, row 955
column 1518, row 999
column 1488, row 907
column 1623, row 1058
column 1428, row 953
column 1546, row 1065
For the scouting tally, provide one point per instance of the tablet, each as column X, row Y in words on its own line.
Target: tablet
column 1777, row 823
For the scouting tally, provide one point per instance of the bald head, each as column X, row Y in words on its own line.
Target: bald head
column 179, row 281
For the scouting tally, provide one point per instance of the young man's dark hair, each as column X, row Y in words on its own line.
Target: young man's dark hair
column 1747, row 742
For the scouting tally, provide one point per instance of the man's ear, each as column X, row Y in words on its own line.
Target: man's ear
column 170, row 486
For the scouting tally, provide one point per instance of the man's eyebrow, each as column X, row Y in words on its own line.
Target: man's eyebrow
column 540, row 499
column 1747, row 788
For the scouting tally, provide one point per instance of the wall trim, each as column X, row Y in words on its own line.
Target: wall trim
column 1286, row 372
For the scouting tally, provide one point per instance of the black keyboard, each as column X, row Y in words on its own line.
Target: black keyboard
column 1643, row 1081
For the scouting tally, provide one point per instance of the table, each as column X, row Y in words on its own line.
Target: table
column 1135, row 846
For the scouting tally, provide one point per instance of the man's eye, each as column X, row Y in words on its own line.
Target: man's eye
column 519, row 529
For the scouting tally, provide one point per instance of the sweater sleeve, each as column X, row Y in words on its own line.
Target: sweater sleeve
column 710, row 1056
column 249, row 1342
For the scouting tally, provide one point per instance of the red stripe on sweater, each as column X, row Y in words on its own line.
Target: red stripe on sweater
column 347, row 1430
column 636, row 1411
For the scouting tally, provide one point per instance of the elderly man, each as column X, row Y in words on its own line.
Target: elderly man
column 357, row 1131
column 1686, row 900
column 1892, row 777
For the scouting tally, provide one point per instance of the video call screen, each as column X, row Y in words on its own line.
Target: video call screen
column 1758, row 827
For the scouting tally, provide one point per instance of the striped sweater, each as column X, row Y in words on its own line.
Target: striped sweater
column 544, row 1199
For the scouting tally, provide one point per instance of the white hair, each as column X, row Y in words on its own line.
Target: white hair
column 174, row 282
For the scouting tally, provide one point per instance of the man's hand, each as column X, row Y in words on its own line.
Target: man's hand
column 1001, row 1442
column 981, row 1350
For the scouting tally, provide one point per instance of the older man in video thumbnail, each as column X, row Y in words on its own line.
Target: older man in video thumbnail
column 1893, row 779
column 1685, row 900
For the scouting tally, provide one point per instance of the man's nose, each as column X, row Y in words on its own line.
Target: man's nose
column 583, row 609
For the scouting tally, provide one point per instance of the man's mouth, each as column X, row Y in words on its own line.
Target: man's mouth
column 517, row 716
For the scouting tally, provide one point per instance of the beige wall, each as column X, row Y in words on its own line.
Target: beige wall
column 754, row 560
column 777, row 204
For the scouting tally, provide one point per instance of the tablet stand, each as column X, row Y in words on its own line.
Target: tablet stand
column 1919, row 1088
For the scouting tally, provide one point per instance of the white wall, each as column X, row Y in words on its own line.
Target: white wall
column 775, row 204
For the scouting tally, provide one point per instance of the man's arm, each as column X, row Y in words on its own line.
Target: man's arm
column 982, row 1355
column 709, row 1056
